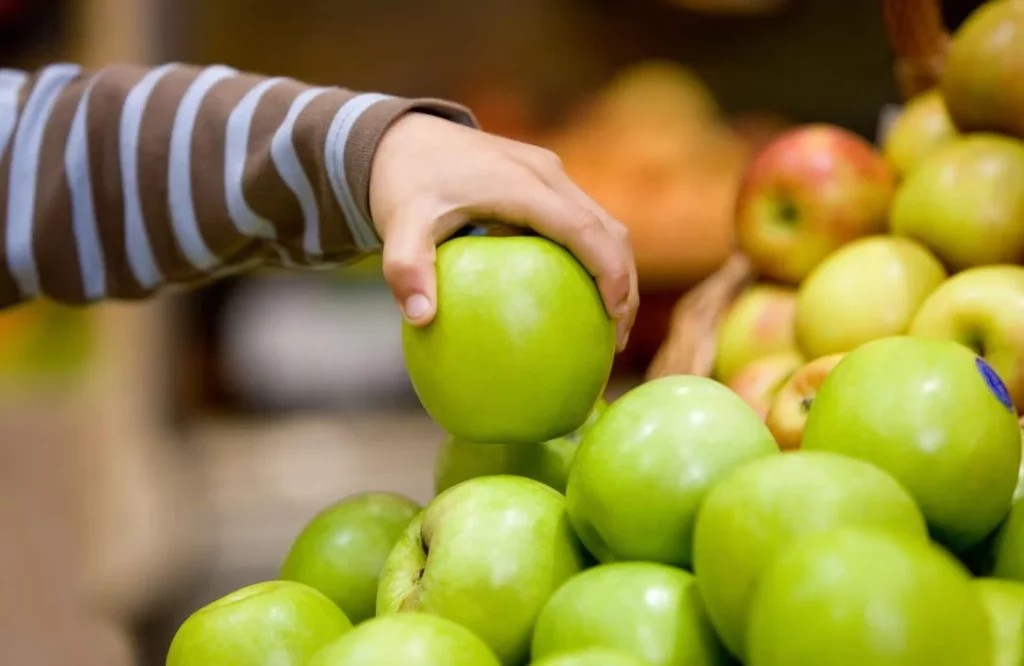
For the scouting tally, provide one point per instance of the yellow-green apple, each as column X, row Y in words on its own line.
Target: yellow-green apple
column 805, row 194
column 853, row 597
column 1007, row 560
column 788, row 413
column 651, row 611
column 983, row 65
column 965, row 202
column 407, row 639
column 934, row 415
column 760, row 381
column 488, row 554
column 341, row 551
column 759, row 323
column 1004, row 601
column 275, row 622
column 643, row 469
column 548, row 462
column 922, row 126
column 866, row 290
column 591, row 657
column 982, row 308
column 521, row 347
column 767, row 505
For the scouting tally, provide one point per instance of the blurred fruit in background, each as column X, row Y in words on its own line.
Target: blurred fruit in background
column 655, row 151
column 759, row 323
column 923, row 126
column 981, row 79
column 42, row 341
column 733, row 7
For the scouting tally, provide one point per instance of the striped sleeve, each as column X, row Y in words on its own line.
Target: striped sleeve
column 117, row 183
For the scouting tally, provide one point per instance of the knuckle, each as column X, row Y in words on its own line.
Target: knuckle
column 547, row 160
column 398, row 268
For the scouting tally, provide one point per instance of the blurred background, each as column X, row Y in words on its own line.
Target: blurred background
column 155, row 456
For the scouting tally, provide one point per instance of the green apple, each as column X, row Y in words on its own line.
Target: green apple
column 341, row 551
column 759, row 382
column 965, row 202
column 1004, row 601
column 866, row 290
column 1008, row 546
column 770, row 503
column 922, row 126
column 591, row 657
column 651, row 611
column 521, row 347
column 548, row 462
column 407, row 639
column 809, row 191
column 981, row 72
column 759, row 323
column 643, row 469
column 855, row 597
column 488, row 554
column 982, row 308
column 279, row 623
column 935, row 416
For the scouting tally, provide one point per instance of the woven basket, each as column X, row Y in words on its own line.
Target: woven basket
column 918, row 38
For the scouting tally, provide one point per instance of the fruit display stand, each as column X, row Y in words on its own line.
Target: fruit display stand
column 918, row 38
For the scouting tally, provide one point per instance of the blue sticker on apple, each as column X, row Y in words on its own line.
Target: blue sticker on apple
column 994, row 383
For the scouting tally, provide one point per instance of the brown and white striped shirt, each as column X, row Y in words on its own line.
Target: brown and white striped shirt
column 120, row 182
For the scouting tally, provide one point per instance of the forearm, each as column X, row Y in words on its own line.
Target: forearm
column 117, row 183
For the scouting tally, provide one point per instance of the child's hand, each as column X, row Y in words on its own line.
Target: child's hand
column 431, row 176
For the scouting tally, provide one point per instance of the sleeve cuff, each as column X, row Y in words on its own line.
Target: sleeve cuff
column 352, row 141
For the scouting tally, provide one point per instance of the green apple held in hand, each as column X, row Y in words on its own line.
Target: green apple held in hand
column 921, row 127
column 279, row 623
column 521, row 347
column 983, row 309
column 758, row 383
column 643, row 469
column 867, row 290
column 650, row 611
column 498, row 547
column 982, row 70
column 1004, row 601
column 936, row 417
column 547, row 462
column 853, row 598
column 341, row 551
column 771, row 503
column 407, row 639
column 808, row 192
column 591, row 657
column 759, row 323
column 965, row 202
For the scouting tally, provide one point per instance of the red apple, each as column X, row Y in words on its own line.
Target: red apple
column 759, row 382
column 759, row 323
column 788, row 413
column 807, row 193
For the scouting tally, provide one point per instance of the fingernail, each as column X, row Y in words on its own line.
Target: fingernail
column 416, row 306
column 623, row 339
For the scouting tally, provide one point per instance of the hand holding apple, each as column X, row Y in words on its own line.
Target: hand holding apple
column 511, row 310
column 292, row 622
column 807, row 193
column 487, row 554
column 341, row 551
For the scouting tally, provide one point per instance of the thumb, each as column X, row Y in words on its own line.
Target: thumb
column 408, row 266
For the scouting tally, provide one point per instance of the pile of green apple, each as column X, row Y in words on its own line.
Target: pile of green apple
column 921, row 236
